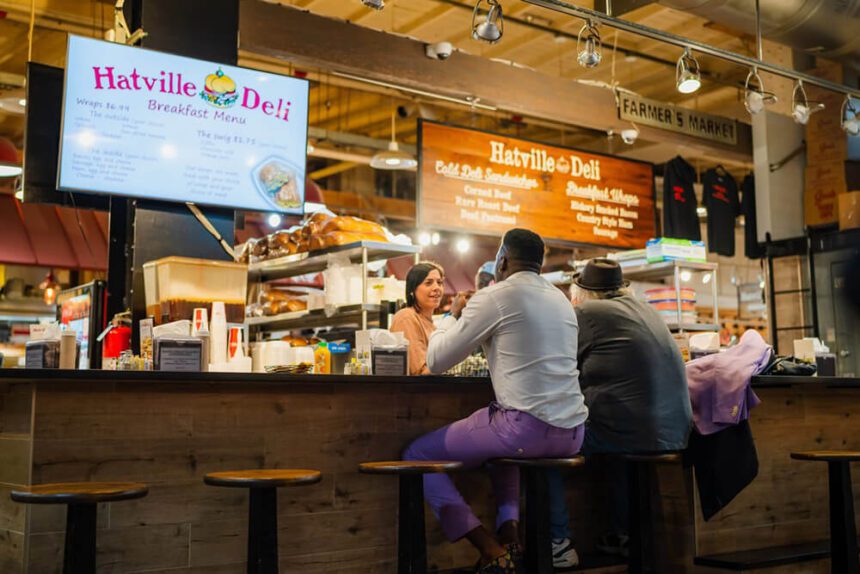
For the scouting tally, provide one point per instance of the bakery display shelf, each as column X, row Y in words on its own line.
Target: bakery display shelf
column 315, row 318
column 663, row 269
column 316, row 261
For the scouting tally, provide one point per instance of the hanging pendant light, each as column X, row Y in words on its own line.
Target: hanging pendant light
column 492, row 28
column 850, row 117
column 688, row 77
column 393, row 158
column 50, row 288
column 755, row 97
column 588, row 45
column 801, row 107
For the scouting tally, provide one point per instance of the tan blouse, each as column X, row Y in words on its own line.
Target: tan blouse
column 417, row 329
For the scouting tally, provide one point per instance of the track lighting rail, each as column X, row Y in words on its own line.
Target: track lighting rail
column 668, row 38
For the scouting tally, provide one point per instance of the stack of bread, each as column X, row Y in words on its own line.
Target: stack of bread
column 321, row 231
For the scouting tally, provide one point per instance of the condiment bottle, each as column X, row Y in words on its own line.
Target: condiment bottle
column 322, row 360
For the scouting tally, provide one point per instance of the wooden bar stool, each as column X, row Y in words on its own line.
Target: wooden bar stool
column 80, row 498
column 843, row 530
column 411, row 540
column 538, row 540
column 642, row 557
column 263, row 508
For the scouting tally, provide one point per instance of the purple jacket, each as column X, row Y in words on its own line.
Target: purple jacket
column 720, row 390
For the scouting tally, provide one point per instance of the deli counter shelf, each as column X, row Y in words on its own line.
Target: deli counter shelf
column 652, row 271
column 316, row 261
column 351, row 314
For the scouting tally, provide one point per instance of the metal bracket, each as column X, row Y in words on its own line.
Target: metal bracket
column 781, row 163
column 120, row 32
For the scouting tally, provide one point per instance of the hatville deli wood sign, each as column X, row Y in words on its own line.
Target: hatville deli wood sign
column 486, row 183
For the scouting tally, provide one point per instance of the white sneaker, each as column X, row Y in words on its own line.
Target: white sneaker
column 564, row 554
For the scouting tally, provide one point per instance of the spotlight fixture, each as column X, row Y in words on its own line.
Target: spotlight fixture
column 375, row 4
column 630, row 135
column 755, row 97
column 801, row 107
column 688, row 77
column 686, row 276
column 588, row 45
column 492, row 28
column 393, row 158
column 850, row 117
column 424, row 239
column 706, row 278
column 463, row 245
column 435, row 238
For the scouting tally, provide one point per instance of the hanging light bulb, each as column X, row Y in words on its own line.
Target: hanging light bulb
column 688, row 77
column 375, row 4
column 492, row 28
column 393, row 158
column 850, row 117
column 755, row 98
column 801, row 107
column 50, row 289
column 588, row 45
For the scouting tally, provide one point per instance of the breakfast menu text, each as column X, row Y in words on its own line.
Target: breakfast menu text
column 146, row 124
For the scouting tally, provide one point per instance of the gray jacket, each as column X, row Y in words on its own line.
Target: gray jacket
column 632, row 376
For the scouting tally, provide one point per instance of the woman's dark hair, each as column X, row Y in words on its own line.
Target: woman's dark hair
column 416, row 277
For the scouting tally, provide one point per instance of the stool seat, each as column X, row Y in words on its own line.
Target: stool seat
column 571, row 462
column 265, row 478
column 827, row 455
column 79, row 492
column 405, row 467
column 653, row 458
column 81, row 500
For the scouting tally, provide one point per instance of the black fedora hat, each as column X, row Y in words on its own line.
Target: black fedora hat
column 601, row 275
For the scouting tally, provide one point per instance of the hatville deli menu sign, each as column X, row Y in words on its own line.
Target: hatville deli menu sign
column 487, row 183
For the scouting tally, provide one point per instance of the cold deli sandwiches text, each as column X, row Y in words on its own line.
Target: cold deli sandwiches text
column 219, row 91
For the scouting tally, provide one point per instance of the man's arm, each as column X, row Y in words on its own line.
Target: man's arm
column 584, row 340
column 454, row 340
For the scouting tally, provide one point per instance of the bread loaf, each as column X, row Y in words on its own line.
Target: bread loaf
column 352, row 225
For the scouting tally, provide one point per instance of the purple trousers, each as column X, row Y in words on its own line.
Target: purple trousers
column 490, row 432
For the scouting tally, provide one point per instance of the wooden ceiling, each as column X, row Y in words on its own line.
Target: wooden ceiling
column 641, row 65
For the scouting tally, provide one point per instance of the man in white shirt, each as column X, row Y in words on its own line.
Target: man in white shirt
column 528, row 331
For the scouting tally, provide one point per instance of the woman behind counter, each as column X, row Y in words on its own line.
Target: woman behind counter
column 424, row 289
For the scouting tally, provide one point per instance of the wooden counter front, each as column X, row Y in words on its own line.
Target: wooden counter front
column 169, row 430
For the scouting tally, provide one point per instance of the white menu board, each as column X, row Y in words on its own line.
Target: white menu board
column 152, row 125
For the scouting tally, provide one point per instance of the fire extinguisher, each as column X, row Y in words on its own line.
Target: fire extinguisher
column 115, row 340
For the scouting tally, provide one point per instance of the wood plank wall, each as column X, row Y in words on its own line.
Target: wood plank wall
column 788, row 502
column 169, row 436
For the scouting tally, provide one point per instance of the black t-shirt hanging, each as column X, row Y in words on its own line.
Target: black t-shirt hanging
column 720, row 196
column 751, row 245
column 680, row 219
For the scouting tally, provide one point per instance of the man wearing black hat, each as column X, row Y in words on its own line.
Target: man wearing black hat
column 635, row 387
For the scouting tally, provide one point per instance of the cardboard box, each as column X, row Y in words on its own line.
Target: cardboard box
column 849, row 210
column 824, row 181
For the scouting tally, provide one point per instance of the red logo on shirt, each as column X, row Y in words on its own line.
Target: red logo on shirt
column 720, row 193
column 679, row 193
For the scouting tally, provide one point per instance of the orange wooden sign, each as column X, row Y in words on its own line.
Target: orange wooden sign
column 486, row 183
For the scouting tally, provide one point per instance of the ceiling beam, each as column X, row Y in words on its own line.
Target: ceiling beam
column 311, row 40
column 333, row 170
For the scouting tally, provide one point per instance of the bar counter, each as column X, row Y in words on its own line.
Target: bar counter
column 169, row 429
